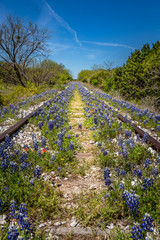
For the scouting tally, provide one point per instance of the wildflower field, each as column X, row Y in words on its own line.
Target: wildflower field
column 84, row 170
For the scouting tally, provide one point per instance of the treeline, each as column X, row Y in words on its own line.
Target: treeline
column 46, row 72
column 139, row 77
column 23, row 48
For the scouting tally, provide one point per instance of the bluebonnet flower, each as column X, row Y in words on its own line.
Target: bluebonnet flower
column 124, row 151
column 105, row 152
column 69, row 127
column 39, row 153
column 158, row 128
column 139, row 173
column 147, row 183
column 37, row 171
column 40, row 125
column 31, row 182
column 108, row 182
column 132, row 201
column 145, row 137
column 24, row 166
column 52, row 159
column 136, row 232
column 13, row 166
column 158, row 160
column 79, row 126
column 117, row 170
column 71, row 145
column 95, row 120
column 4, row 165
column 138, row 137
column 121, row 186
column 128, row 133
column 147, row 223
column 1, row 204
column 43, row 142
column 8, row 142
column 12, row 209
column 107, row 195
column 147, row 162
column 123, row 172
column 155, row 172
column 131, row 165
column 35, row 145
column 50, row 125
column 99, row 144
column 76, row 134
column 12, row 233
column 68, row 136
column 106, row 173
column 59, row 169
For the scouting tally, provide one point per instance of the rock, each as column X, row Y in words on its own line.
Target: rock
column 111, row 226
column 91, row 142
column 2, row 219
column 73, row 223
column 64, row 222
column 57, row 224
column 41, row 225
column 152, row 129
column 92, row 187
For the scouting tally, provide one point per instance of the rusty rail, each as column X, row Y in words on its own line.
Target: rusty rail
column 154, row 143
column 16, row 126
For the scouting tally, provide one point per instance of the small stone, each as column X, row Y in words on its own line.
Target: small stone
column 111, row 226
column 64, row 222
column 57, row 224
column 92, row 187
column 65, row 178
column 152, row 129
column 91, row 142
column 73, row 223
column 2, row 219
column 41, row 225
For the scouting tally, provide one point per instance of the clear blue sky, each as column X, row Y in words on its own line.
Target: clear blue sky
column 88, row 32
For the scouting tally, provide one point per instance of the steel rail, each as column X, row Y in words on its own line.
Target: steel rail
column 154, row 143
column 16, row 126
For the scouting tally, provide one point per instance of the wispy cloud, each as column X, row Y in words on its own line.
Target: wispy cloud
column 56, row 47
column 91, row 56
column 63, row 23
column 109, row 44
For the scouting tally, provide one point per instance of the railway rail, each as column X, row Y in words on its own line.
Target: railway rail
column 154, row 143
column 16, row 126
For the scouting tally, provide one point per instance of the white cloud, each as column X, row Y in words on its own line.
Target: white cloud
column 56, row 47
column 63, row 23
column 91, row 56
column 109, row 44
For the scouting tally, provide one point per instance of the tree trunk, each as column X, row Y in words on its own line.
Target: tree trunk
column 19, row 76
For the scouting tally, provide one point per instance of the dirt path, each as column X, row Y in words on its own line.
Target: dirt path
column 75, row 187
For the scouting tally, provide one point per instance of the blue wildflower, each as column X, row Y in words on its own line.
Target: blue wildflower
column 37, row 171
column 147, row 183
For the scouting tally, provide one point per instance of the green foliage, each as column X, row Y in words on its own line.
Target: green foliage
column 84, row 75
column 140, row 76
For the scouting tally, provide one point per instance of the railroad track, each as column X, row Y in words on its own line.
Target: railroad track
column 154, row 143
column 16, row 126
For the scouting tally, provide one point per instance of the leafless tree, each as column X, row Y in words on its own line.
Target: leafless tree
column 20, row 43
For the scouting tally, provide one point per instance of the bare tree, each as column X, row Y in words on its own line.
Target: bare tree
column 20, row 43
column 108, row 65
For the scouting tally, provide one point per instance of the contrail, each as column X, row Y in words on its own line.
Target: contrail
column 63, row 23
column 108, row 44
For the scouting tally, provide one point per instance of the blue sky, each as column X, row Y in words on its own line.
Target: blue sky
column 88, row 32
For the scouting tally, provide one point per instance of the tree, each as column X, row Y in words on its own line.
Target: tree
column 20, row 43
